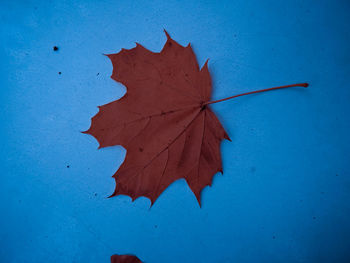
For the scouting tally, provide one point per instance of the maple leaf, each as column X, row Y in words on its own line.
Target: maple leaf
column 125, row 259
column 164, row 121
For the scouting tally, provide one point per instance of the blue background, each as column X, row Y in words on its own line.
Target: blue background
column 285, row 192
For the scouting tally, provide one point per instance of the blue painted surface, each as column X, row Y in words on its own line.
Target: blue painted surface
column 285, row 192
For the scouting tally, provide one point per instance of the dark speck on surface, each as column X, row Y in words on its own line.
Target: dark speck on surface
column 97, row 74
column 60, row 73
column 155, row 226
column 55, row 48
column 68, row 166
column 95, row 194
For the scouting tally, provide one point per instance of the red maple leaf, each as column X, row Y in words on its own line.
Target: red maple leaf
column 125, row 259
column 164, row 121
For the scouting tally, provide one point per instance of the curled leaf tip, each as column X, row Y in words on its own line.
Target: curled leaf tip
column 167, row 34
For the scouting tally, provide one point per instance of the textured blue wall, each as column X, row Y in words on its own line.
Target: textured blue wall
column 285, row 192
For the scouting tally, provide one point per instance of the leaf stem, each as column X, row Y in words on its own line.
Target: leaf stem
column 305, row 85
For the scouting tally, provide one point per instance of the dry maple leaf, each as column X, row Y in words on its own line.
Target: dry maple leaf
column 125, row 259
column 163, row 121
